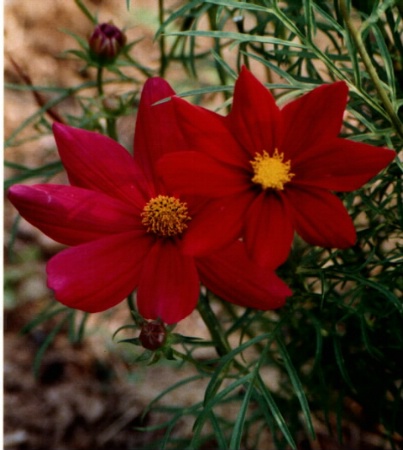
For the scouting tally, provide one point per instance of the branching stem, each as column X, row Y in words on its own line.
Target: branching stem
column 356, row 35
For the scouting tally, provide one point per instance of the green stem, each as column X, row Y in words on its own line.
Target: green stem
column 130, row 302
column 218, row 335
column 162, row 38
column 217, row 48
column 111, row 128
column 138, row 320
column 110, row 122
column 189, row 359
column 220, row 340
column 99, row 81
column 356, row 35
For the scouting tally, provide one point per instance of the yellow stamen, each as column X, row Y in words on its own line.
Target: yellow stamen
column 165, row 216
column 271, row 171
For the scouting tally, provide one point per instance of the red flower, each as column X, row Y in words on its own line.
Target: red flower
column 127, row 231
column 275, row 167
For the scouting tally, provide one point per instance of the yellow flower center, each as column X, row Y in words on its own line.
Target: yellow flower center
column 165, row 216
column 271, row 171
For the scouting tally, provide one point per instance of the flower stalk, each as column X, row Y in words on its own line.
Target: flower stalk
column 210, row 319
column 110, row 121
column 162, row 45
column 356, row 35
column 100, row 86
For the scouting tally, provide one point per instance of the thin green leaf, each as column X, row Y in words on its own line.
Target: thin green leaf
column 48, row 170
column 222, row 443
column 333, row 23
column 65, row 93
column 278, row 417
column 80, row 40
column 214, row 401
column 45, row 345
column 237, row 37
column 297, row 385
column 221, row 371
column 43, row 316
column 237, row 433
column 224, row 64
column 238, row 5
column 124, row 327
column 202, row 91
column 309, row 19
column 13, row 237
column 81, row 327
column 387, row 61
column 180, row 13
column 86, row 12
column 170, row 389
column 378, row 287
column 341, row 363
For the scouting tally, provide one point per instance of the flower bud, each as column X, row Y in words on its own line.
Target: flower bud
column 106, row 42
column 153, row 335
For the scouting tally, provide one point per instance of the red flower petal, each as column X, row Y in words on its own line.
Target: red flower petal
column 194, row 173
column 157, row 131
column 312, row 118
column 268, row 230
column 320, row 218
column 96, row 276
column 72, row 215
column 216, row 225
column 254, row 118
column 169, row 287
column 232, row 276
column 98, row 163
column 207, row 132
column 342, row 165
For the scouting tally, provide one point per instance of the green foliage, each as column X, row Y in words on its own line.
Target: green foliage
column 340, row 337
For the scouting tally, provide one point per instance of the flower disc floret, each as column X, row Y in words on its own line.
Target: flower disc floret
column 271, row 171
column 165, row 216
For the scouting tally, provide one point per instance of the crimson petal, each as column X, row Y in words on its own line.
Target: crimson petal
column 194, row 173
column 207, row 132
column 320, row 218
column 98, row 163
column 72, row 215
column 232, row 276
column 216, row 225
column 342, row 165
column 169, row 287
column 254, row 118
column 98, row 275
column 157, row 131
column 269, row 231
column 315, row 117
